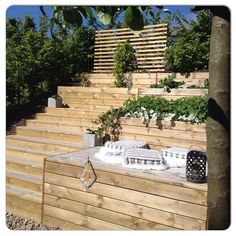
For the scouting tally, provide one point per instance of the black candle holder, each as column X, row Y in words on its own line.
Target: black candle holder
column 196, row 166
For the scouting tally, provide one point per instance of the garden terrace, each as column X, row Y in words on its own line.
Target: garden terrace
column 60, row 130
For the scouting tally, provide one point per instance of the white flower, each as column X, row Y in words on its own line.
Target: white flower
column 151, row 111
column 143, row 108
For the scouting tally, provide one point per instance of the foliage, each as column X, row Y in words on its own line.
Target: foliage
column 124, row 61
column 151, row 108
column 36, row 64
column 109, row 123
column 189, row 44
column 168, row 83
column 205, row 85
column 64, row 16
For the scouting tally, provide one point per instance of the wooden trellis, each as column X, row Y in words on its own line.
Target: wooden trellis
column 149, row 45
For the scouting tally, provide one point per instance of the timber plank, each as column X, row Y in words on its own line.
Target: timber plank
column 76, row 218
column 129, row 182
column 174, row 176
column 18, row 207
column 176, row 125
column 102, row 214
column 172, row 134
column 62, row 224
column 163, row 141
column 23, row 168
column 148, row 200
column 136, row 210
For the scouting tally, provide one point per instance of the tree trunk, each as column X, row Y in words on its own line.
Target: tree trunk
column 218, row 126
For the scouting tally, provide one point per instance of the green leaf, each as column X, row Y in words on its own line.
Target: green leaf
column 105, row 18
column 72, row 16
column 134, row 18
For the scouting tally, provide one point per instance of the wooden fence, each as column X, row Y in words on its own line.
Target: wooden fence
column 149, row 46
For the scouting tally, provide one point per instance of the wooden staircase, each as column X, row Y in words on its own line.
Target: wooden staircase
column 57, row 131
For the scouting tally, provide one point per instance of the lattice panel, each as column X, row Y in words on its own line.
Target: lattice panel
column 149, row 45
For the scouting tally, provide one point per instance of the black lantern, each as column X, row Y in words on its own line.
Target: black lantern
column 196, row 166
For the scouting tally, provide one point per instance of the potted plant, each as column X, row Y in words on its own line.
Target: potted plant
column 90, row 138
column 55, row 101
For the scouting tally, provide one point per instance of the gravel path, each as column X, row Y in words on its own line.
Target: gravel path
column 16, row 223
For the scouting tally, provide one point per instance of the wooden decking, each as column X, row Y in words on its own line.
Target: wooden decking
column 121, row 198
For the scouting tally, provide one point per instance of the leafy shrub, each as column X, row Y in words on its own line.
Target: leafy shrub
column 168, row 83
column 36, row 64
column 152, row 108
column 124, row 61
column 109, row 123
column 189, row 44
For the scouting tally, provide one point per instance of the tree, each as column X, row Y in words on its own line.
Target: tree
column 36, row 64
column 218, row 121
column 189, row 43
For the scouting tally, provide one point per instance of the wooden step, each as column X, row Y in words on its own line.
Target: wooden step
column 76, row 106
column 28, row 153
column 49, row 133
column 101, row 108
column 72, row 120
column 73, row 112
column 24, row 180
column 23, row 202
column 27, row 166
column 104, row 102
column 108, row 96
column 42, row 143
column 60, row 125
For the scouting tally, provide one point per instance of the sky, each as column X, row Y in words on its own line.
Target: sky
column 17, row 11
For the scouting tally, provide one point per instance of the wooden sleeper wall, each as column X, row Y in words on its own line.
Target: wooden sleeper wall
column 120, row 200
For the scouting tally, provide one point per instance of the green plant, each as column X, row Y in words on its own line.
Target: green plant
column 155, row 108
column 124, row 61
column 36, row 64
column 205, row 85
column 168, row 83
column 109, row 124
column 189, row 43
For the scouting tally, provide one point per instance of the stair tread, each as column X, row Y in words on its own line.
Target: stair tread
column 45, row 141
column 24, row 176
column 54, row 117
column 46, row 129
column 24, row 193
column 70, row 109
column 58, row 123
column 31, row 150
column 38, row 163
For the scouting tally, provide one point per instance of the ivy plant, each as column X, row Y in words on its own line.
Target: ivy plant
column 124, row 61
